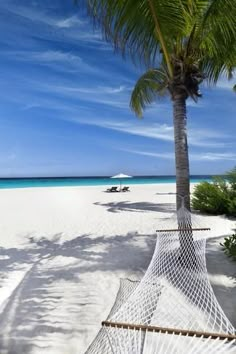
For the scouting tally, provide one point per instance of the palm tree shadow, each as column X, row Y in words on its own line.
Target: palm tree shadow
column 116, row 207
column 45, row 306
column 165, row 193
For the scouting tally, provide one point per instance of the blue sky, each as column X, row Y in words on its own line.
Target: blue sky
column 64, row 104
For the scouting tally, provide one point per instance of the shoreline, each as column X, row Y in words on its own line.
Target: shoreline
column 92, row 182
column 104, row 186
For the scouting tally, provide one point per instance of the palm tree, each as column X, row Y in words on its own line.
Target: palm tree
column 181, row 43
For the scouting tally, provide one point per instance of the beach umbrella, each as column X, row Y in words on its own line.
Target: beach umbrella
column 120, row 176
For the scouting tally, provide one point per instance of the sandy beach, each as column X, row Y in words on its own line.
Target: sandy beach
column 64, row 249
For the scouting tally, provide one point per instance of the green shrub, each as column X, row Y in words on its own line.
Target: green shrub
column 210, row 198
column 232, row 205
column 229, row 246
column 231, row 178
column 221, row 184
column 218, row 197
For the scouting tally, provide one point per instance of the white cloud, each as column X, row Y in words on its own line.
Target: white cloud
column 208, row 156
column 73, row 28
column 156, row 131
column 93, row 90
column 117, row 97
column 164, row 155
column 30, row 106
column 35, row 14
column 28, row 13
column 207, row 138
column 63, row 61
column 114, row 96
column 225, row 84
column 197, row 137
column 54, row 55
column 47, row 56
column 68, row 22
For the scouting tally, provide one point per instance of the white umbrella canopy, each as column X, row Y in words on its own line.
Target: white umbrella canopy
column 120, row 176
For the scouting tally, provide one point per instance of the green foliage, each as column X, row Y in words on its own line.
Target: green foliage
column 209, row 198
column 218, row 197
column 154, row 82
column 232, row 206
column 231, row 177
column 156, row 32
column 229, row 246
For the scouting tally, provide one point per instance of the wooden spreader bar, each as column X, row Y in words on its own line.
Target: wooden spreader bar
column 193, row 229
column 183, row 332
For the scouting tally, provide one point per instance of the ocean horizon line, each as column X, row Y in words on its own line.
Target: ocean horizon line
column 29, row 182
column 106, row 176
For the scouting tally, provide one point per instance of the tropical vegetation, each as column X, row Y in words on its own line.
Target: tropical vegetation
column 229, row 246
column 218, row 197
column 181, row 43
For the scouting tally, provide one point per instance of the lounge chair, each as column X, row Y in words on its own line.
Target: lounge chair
column 112, row 189
column 125, row 189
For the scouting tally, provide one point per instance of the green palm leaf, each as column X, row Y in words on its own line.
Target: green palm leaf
column 216, row 39
column 200, row 31
column 140, row 28
column 149, row 87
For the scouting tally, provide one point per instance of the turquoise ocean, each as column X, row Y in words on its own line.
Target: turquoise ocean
column 89, row 181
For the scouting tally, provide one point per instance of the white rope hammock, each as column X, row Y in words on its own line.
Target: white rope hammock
column 173, row 308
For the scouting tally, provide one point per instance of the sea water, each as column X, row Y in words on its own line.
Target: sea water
column 90, row 181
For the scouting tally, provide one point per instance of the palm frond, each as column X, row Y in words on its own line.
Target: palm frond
column 150, row 86
column 220, row 17
column 210, row 38
column 218, row 39
column 199, row 34
column 132, row 27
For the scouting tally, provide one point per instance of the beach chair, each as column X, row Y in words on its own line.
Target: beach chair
column 125, row 189
column 112, row 189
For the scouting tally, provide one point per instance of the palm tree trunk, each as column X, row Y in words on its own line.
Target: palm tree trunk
column 187, row 255
column 181, row 151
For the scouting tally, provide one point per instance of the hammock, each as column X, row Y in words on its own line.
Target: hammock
column 173, row 308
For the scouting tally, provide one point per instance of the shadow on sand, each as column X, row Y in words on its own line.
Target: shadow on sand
column 45, row 305
column 222, row 274
column 116, row 207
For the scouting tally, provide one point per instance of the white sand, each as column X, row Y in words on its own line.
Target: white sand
column 63, row 251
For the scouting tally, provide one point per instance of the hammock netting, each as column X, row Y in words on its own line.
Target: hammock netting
column 173, row 308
